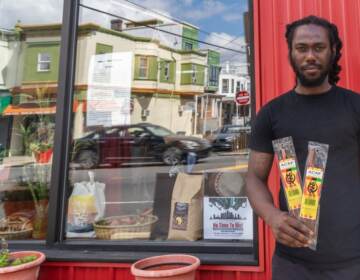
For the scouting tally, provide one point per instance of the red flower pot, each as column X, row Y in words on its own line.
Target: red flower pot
column 44, row 157
column 166, row 267
column 26, row 271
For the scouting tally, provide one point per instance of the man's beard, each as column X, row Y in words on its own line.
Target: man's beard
column 306, row 82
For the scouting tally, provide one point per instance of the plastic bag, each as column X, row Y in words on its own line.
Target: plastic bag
column 313, row 185
column 86, row 205
column 289, row 173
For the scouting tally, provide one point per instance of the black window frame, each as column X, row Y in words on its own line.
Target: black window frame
column 56, row 247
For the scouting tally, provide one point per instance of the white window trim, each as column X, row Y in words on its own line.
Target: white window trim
column 223, row 83
column 167, row 73
column 193, row 73
column 146, row 67
column 39, row 61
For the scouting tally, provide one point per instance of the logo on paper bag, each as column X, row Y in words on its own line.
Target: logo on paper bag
column 180, row 216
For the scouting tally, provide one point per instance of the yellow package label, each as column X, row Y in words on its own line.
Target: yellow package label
column 291, row 182
column 312, row 191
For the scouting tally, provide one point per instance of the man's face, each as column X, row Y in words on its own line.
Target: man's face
column 311, row 55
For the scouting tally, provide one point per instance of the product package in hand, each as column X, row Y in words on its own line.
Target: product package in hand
column 289, row 173
column 313, row 185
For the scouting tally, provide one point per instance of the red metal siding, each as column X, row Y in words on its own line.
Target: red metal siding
column 273, row 76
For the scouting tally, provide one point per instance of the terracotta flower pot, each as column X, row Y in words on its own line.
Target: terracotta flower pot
column 26, row 271
column 166, row 267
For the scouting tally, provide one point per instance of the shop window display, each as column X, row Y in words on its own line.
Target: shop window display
column 145, row 160
column 146, row 163
column 28, row 87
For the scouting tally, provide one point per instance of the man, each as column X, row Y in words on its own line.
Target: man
column 315, row 110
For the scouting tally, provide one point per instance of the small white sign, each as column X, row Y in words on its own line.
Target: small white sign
column 109, row 89
column 228, row 218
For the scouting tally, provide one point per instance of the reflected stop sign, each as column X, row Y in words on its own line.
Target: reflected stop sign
column 242, row 98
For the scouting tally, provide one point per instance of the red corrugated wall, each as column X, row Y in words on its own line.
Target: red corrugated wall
column 273, row 74
column 272, row 77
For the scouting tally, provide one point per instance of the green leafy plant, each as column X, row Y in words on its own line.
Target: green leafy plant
column 39, row 147
column 5, row 258
column 37, row 131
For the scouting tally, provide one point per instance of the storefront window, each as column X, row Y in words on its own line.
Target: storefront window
column 29, row 62
column 159, row 147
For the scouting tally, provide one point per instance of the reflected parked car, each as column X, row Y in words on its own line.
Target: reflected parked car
column 141, row 142
column 225, row 137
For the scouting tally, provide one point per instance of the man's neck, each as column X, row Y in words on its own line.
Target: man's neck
column 324, row 87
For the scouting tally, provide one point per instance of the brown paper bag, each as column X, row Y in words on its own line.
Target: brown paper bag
column 186, row 207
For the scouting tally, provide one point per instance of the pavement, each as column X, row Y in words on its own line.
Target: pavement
column 244, row 152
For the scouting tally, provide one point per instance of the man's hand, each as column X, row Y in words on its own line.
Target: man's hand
column 288, row 230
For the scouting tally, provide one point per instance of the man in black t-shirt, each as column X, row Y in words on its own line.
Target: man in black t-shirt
column 315, row 110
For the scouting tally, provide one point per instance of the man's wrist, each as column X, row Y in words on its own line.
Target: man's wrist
column 270, row 213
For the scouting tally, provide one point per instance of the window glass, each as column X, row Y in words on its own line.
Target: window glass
column 29, row 66
column 225, row 85
column 143, row 67
column 155, row 124
column 238, row 87
column 188, row 46
column 44, row 61
column 166, row 70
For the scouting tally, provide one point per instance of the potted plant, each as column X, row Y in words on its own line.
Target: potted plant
column 42, row 151
column 19, row 265
column 30, row 201
column 37, row 131
column 38, row 184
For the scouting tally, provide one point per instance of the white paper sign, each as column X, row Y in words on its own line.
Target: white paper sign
column 228, row 218
column 109, row 89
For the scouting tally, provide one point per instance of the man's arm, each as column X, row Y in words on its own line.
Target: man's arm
column 286, row 229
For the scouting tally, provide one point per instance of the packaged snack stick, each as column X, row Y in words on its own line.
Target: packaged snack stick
column 289, row 173
column 313, row 185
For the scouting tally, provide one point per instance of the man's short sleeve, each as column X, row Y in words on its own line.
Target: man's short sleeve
column 262, row 133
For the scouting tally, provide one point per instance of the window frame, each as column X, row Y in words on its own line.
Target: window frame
column 56, row 246
column 214, row 75
column 188, row 46
column 40, row 62
column 144, row 68
column 223, row 85
column 167, row 70
column 193, row 73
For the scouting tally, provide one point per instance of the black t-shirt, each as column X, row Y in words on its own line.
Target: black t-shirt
column 332, row 118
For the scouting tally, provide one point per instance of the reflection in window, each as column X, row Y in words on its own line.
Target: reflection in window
column 143, row 67
column 188, row 46
column 167, row 70
column 44, row 61
column 169, row 92
column 193, row 74
column 214, row 72
column 225, row 85
column 29, row 50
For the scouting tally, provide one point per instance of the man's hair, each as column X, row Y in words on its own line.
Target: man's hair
column 334, row 39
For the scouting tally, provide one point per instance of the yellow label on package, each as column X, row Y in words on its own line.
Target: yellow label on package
column 312, row 191
column 291, row 182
